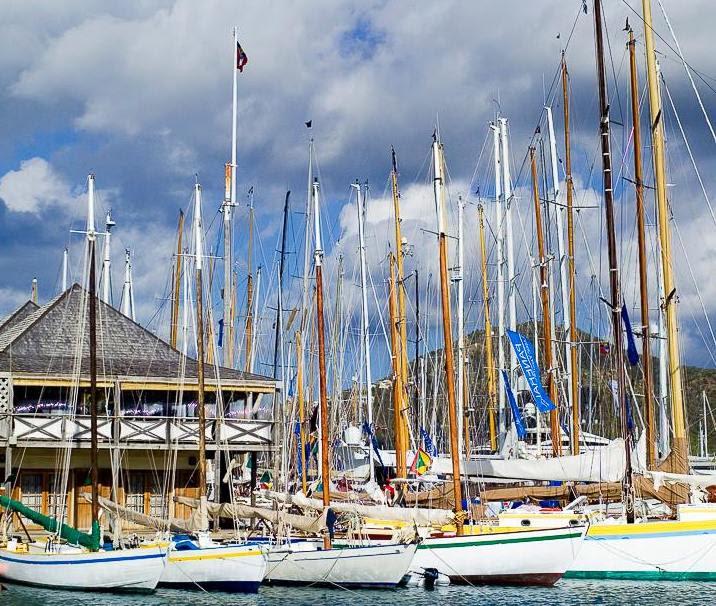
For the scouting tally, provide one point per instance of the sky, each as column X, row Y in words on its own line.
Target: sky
column 139, row 93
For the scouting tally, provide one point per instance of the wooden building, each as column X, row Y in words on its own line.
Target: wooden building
column 147, row 410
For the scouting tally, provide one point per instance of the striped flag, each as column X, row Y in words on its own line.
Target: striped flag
column 241, row 58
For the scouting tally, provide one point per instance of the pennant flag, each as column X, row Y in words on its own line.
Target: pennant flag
column 525, row 353
column 241, row 58
column 421, row 462
column 221, row 332
column 614, row 388
column 430, row 447
column 632, row 353
column 368, row 431
column 516, row 415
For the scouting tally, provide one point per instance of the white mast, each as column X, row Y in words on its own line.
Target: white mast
column 460, row 327
column 65, row 269
column 186, row 304
column 365, row 327
column 90, row 208
column 507, row 193
column 128, row 290
column 106, row 262
column 559, row 216
column 226, row 209
column 499, row 219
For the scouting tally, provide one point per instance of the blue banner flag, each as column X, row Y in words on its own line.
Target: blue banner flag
column 221, row 333
column 430, row 447
column 525, row 353
column 368, row 431
column 632, row 353
column 516, row 415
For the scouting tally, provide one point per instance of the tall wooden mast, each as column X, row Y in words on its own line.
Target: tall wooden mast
column 679, row 447
column 401, row 319
column 573, row 337
column 614, row 282
column 400, row 446
column 643, row 264
column 439, row 193
column 546, row 314
column 322, row 384
column 176, row 291
column 489, row 357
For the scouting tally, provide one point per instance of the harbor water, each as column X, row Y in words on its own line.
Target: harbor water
column 565, row 592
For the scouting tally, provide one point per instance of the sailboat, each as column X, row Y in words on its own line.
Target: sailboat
column 321, row 563
column 69, row 558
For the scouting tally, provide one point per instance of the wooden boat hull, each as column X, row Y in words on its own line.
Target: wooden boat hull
column 126, row 570
column 231, row 568
column 498, row 557
column 378, row 566
column 668, row 551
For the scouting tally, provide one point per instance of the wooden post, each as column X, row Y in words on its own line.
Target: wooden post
column 249, row 293
column 400, row 446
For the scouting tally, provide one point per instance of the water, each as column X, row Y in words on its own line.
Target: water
column 565, row 592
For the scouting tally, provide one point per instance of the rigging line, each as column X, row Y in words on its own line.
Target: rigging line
column 688, row 71
column 673, row 50
column 688, row 149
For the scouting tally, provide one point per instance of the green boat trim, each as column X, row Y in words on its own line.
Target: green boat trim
column 70, row 534
column 640, row 575
column 512, row 539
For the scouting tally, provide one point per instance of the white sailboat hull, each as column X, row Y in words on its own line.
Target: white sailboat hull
column 669, row 551
column 533, row 557
column 125, row 570
column 374, row 566
column 236, row 568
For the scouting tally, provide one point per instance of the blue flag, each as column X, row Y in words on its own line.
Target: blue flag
column 430, row 447
column 632, row 353
column 516, row 415
column 221, row 332
column 367, row 430
column 525, row 353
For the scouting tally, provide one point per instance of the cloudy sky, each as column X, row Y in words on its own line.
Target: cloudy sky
column 139, row 93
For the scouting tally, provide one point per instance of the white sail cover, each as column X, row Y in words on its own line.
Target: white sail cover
column 602, row 464
column 422, row 517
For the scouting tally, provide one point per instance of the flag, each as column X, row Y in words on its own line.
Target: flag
column 309, row 124
column 421, row 462
column 516, row 415
column 605, row 348
column 241, row 58
column 221, row 332
column 266, row 481
column 526, row 357
column 368, row 431
column 430, row 447
column 632, row 353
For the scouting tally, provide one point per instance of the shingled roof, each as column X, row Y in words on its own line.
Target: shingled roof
column 46, row 340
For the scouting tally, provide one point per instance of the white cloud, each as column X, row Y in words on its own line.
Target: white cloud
column 34, row 187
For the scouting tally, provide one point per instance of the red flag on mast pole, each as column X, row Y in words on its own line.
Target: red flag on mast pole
column 241, row 58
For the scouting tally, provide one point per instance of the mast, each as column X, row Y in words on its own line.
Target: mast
column 402, row 316
column 322, row 385
column 226, row 210
column 279, row 297
column 679, row 446
column 489, row 358
column 301, row 410
column 65, row 269
column 365, row 321
column 250, row 285
column 573, row 337
column 439, row 194
column 127, row 291
column 255, row 317
column 507, row 193
column 107, row 260
column 201, row 409
column 462, row 428
column 499, row 210
column 614, row 285
column 643, row 263
column 546, row 314
column 176, row 291
column 92, row 295
column 400, row 445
